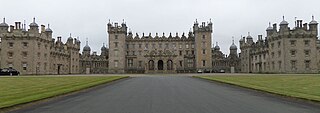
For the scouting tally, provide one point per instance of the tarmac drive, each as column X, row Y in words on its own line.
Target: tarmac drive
column 171, row 94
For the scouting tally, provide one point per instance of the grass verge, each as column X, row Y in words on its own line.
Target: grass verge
column 297, row 86
column 20, row 90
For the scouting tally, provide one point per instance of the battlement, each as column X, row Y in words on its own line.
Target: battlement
column 116, row 28
column 299, row 30
column 204, row 27
column 190, row 36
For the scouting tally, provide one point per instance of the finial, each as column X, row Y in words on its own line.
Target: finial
column 122, row 20
column 269, row 24
column 34, row 19
column 176, row 33
column 210, row 20
column 163, row 34
column 312, row 17
column 142, row 34
column 149, row 34
column 283, row 17
column 48, row 25
column 156, row 34
column 4, row 20
column 86, row 41
column 24, row 24
column 183, row 34
column 109, row 21
column 216, row 43
column 232, row 40
column 248, row 33
column 103, row 44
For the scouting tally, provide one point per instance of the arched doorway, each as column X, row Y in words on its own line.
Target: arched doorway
column 151, row 65
column 169, row 65
column 160, row 65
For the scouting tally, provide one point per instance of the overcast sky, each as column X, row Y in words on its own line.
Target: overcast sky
column 88, row 18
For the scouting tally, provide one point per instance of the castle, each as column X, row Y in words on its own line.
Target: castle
column 285, row 50
column 33, row 52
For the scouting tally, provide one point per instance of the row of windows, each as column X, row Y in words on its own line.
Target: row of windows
column 26, row 44
column 293, row 64
column 292, row 43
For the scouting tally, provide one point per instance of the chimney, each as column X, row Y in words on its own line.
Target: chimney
column 305, row 26
column 11, row 28
column 42, row 28
column 275, row 27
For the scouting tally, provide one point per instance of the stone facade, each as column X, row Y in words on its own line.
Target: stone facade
column 93, row 63
column 226, row 63
column 285, row 50
column 33, row 52
column 159, row 54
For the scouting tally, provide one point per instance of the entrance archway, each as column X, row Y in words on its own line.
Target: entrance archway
column 169, row 65
column 160, row 65
column 151, row 65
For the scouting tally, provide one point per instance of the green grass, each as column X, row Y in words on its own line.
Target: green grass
column 19, row 90
column 298, row 86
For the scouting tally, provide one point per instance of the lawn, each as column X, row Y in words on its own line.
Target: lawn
column 299, row 86
column 19, row 90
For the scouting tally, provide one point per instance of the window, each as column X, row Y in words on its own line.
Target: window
column 115, row 36
column 307, row 43
column 192, row 52
column 130, row 62
column 293, row 53
column 203, row 63
column 127, row 46
column 116, row 53
column 187, row 52
column 279, row 44
column 140, row 63
column 279, row 63
column 25, row 44
column 10, row 54
column 147, row 45
column 38, row 55
column 115, row 44
column 140, row 45
column 116, row 63
column 273, row 65
column 192, row 46
column 24, row 66
column 133, row 53
column 24, row 54
column 293, row 64
column 203, row 36
column 187, row 46
column 279, row 53
column 39, row 45
column 180, row 46
column 203, row 44
column 307, row 53
column 293, row 42
column 307, row 64
column 180, row 53
column 180, row 62
column 10, row 44
column 203, row 51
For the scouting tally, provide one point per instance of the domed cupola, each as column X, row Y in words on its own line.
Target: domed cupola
column 4, row 24
column 48, row 29
column 103, row 48
column 249, row 36
column 269, row 28
column 34, row 24
column 70, row 38
column 313, row 21
column 233, row 46
column 217, row 47
column 87, row 47
column 283, row 22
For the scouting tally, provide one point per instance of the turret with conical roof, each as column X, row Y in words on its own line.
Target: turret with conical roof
column 86, row 49
column 4, row 26
column 34, row 28
column 313, row 26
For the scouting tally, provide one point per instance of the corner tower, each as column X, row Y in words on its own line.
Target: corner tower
column 203, row 36
column 117, row 35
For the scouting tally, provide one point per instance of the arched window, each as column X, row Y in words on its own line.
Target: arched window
column 169, row 65
column 151, row 65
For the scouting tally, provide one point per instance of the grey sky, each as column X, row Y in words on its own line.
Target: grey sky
column 88, row 18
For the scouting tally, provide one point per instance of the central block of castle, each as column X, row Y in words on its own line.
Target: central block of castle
column 130, row 53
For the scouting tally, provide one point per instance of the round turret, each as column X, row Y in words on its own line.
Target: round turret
column 217, row 47
column 284, row 22
column 103, row 48
column 86, row 48
column 33, row 24
column 313, row 21
column 48, row 29
column 269, row 28
column 233, row 47
column 4, row 24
